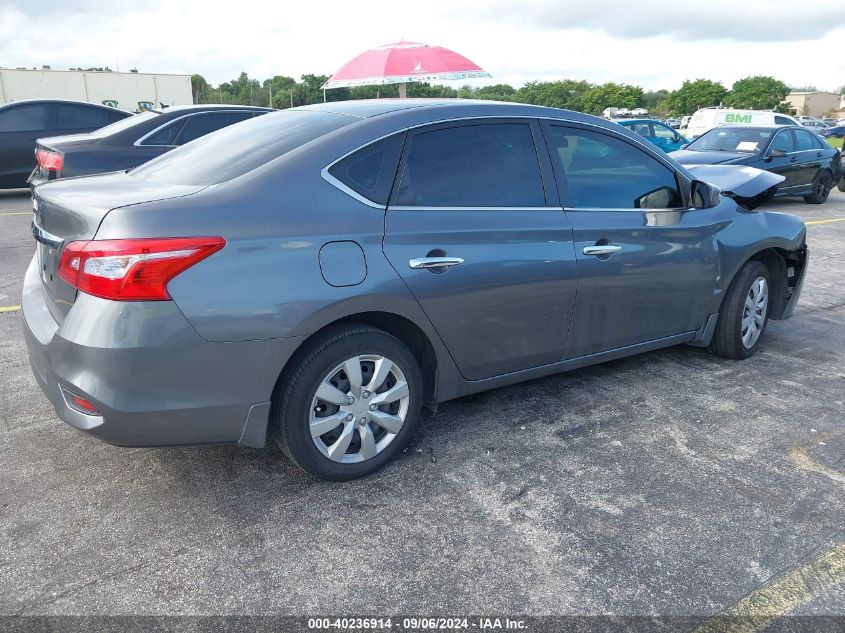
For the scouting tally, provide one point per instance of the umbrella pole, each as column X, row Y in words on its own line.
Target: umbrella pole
column 403, row 91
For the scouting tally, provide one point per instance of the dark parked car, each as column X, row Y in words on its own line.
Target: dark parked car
column 134, row 141
column 314, row 276
column 21, row 122
column 810, row 167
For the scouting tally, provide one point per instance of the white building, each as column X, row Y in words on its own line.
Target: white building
column 127, row 89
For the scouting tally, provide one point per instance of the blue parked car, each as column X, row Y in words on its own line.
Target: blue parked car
column 656, row 132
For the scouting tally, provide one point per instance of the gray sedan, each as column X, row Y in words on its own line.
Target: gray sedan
column 311, row 278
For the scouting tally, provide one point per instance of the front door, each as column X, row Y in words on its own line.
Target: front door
column 488, row 257
column 646, row 264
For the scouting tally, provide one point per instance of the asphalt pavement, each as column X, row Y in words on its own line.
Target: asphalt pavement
column 669, row 483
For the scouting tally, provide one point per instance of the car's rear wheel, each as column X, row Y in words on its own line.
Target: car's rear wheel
column 349, row 405
column 822, row 184
column 841, row 185
column 744, row 313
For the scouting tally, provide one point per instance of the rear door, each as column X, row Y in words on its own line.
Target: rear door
column 646, row 264
column 487, row 255
column 809, row 157
column 20, row 126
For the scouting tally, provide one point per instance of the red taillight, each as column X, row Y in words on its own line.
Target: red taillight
column 49, row 161
column 132, row 270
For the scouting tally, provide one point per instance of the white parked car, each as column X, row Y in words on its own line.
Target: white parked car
column 707, row 118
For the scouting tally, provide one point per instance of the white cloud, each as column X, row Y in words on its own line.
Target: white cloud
column 646, row 42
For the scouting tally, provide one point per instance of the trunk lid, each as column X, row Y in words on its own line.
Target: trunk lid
column 72, row 209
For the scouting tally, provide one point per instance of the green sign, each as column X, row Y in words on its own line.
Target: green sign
column 737, row 118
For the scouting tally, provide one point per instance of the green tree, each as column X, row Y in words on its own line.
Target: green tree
column 757, row 93
column 568, row 94
column 693, row 95
column 611, row 95
column 201, row 89
column 655, row 101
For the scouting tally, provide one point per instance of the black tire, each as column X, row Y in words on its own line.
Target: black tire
column 822, row 184
column 727, row 339
column 841, row 185
column 292, row 399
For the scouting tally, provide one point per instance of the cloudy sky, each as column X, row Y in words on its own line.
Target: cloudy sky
column 653, row 43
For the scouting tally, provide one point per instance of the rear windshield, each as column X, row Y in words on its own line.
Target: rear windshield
column 240, row 148
column 123, row 124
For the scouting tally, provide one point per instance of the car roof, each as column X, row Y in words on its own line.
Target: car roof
column 66, row 101
column 368, row 108
column 621, row 121
column 761, row 127
column 209, row 106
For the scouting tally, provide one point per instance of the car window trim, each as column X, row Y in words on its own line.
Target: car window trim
column 140, row 142
column 551, row 202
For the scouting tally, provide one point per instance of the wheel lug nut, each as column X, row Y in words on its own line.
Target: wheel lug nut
column 349, row 417
column 373, row 407
column 350, row 400
column 362, row 421
column 366, row 394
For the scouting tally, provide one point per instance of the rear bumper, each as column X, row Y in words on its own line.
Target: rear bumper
column 152, row 378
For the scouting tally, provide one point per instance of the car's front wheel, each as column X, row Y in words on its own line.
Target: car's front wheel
column 349, row 404
column 822, row 184
column 841, row 185
column 744, row 313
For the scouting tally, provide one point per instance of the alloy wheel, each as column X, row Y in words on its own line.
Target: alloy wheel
column 359, row 408
column 754, row 312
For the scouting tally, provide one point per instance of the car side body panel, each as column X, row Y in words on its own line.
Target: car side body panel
column 237, row 318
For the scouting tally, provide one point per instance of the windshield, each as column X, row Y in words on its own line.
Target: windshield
column 732, row 139
column 124, row 124
column 240, row 148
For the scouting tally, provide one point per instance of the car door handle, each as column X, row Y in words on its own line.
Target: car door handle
column 434, row 262
column 793, row 159
column 602, row 249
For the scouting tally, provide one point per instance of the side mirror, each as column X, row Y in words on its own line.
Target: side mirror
column 704, row 195
column 777, row 153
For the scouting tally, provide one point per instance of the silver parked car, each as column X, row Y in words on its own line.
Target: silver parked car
column 313, row 277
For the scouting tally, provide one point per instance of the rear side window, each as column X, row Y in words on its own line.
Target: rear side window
column 782, row 120
column 370, row 171
column 601, row 171
column 24, row 118
column 234, row 151
column 75, row 117
column 166, row 135
column 486, row 165
column 803, row 141
column 202, row 124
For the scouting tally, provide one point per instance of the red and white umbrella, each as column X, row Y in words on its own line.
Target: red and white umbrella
column 403, row 62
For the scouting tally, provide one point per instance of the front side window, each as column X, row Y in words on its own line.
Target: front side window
column 601, row 171
column 24, row 118
column 484, row 165
column 369, row 171
column 783, row 141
